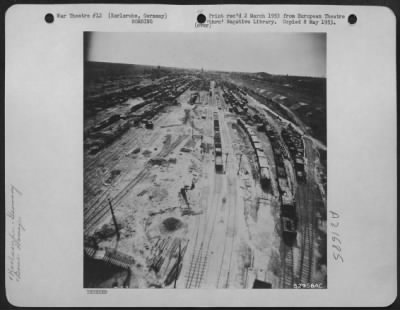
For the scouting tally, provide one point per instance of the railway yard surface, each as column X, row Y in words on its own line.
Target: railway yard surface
column 199, row 179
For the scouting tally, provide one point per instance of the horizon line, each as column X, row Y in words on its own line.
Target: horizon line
column 205, row 70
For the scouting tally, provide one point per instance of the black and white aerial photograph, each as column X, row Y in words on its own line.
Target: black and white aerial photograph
column 204, row 160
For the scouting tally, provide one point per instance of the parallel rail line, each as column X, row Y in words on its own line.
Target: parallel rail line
column 287, row 279
column 95, row 214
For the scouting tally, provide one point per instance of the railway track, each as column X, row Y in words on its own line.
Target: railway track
column 197, row 269
column 193, row 267
column 105, row 155
column 105, row 193
column 115, row 155
column 231, row 217
column 199, row 258
column 307, row 241
column 287, row 279
column 229, row 207
column 103, row 208
column 198, row 263
column 102, row 198
column 101, row 177
column 95, row 214
column 307, row 255
column 118, row 151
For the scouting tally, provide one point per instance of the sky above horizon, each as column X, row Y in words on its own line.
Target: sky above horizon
column 301, row 54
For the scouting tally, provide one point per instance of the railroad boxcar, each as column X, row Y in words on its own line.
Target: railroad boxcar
column 259, row 153
column 218, row 151
column 281, row 172
column 265, row 178
column 257, row 145
column 299, row 163
column 289, row 233
column 288, row 209
column 283, row 184
column 262, row 161
column 287, row 197
column 218, row 163
column 253, row 138
column 301, row 176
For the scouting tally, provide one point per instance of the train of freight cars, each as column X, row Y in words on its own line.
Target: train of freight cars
column 217, row 144
column 288, row 214
column 295, row 145
column 288, row 205
column 288, row 208
column 263, row 167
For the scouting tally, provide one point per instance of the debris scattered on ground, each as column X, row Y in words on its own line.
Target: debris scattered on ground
column 146, row 153
column 133, row 151
column 158, row 161
column 172, row 160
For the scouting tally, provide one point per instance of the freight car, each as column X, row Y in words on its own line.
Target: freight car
column 265, row 177
column 289, row 230
column 217, row 144
column 259, row 153
column 262, row 162
column 295, row 144
column 289, row 210
column 218, row 163
column 218, row 151
column 257, row 145
column 216, row 124
column 288, row 213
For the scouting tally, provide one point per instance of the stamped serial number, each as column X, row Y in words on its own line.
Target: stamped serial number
column 308, row 285
column 96, row 291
